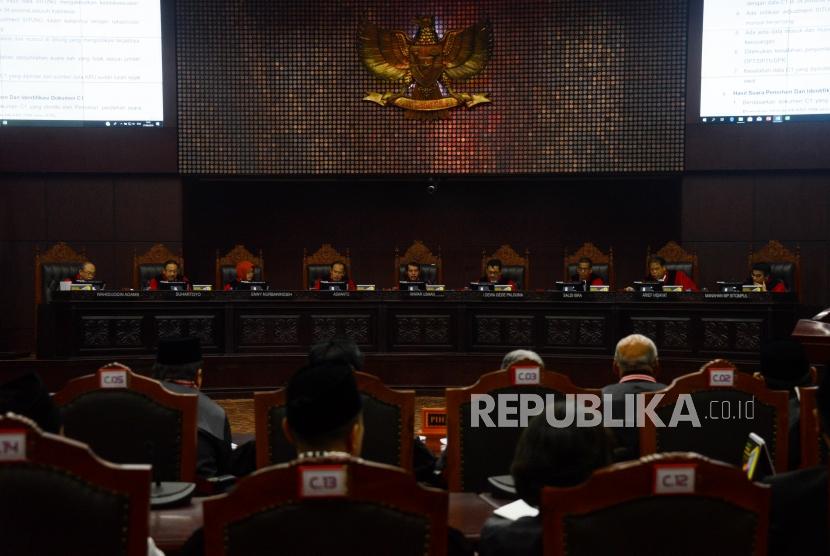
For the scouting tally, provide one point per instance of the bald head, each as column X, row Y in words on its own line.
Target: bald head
column 635, row 354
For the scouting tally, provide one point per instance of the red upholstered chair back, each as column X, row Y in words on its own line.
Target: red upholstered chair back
column 673, row 503
column 377, row 509
column 388, row 423
column 59, row 498
column 722, row 435
column 129, row 418
column 476, row 453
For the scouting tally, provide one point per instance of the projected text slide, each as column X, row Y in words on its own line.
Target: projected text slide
column 82, row 61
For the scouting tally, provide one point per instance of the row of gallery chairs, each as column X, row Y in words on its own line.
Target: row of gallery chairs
column 62, row 261
column 234, row 523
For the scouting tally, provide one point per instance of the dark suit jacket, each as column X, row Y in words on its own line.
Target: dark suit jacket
column 628, row 438
column 798, row 514
column 502, row 537
column 213, row 456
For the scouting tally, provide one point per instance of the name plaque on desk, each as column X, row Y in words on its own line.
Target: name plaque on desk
column 192, row 295
column 573, row 295
column 726, row 295
column 119, row 295
column 432, row 294
column 502, row 295
column 653, row 295
column 270, row 294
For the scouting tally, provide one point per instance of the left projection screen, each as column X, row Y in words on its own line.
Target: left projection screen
column 91, row 63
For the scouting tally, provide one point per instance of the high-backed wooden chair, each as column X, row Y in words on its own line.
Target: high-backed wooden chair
column 150, row 264
column 603, row 263
column 327, row 506
column 476, row 453
column 785, row 264
column 813, row 448
column 57, row 263
column 59, row 498
column 722, row 435
column 226, row 266
column 693, row 505
column 514, row 266
column 676, row 258
column 317, row 265
column 431, row 268
column 129, row 418
column 388, row 422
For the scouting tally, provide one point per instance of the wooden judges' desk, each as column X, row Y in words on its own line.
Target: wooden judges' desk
column 685, row 325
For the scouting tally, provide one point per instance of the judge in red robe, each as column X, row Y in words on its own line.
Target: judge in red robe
column 585, row 274
column 493, row 275
column 659, row 273
column 170, row 273
column 337, row 273
column 762, row 276
column 244, row 273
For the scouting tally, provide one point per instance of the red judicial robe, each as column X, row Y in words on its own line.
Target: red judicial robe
column 350, row 285
column 154, row 282
column 677, row 278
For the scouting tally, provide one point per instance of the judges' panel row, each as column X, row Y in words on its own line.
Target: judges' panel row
column 683, row 324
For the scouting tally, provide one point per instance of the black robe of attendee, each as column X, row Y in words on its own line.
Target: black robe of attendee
column 798, row 513
column 504, row 537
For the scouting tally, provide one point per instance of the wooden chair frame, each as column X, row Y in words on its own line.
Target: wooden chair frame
column 366, row 384
column 157, row 254
column 591, row 251
column 326, row 254
column 508, row 257
column 368, row 482
column 809, row 427
column 187, row 404
column 233, row 257
column 775, row 252
column 61, row 252
column 456, row 397
column 629, row 481
column 672, row 252
column 744, row 382
column 64, row 455
column 419, row 253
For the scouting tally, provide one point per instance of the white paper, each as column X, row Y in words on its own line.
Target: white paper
column 515, row 510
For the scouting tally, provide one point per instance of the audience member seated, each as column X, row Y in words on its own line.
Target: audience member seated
column 784, row 366
column 545, row 456
column 244, row 273
column 636, row 363
column 179, row 368
column 659, row 273
column 798, row 512
column 27, row 396
column 346, row 351
column 585, row 274
column 517, row 355
column 169, row 274
column 337, row 273
column 762, row 276
column 493, row 275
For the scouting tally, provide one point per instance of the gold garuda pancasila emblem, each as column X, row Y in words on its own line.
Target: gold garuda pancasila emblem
column 425, row 65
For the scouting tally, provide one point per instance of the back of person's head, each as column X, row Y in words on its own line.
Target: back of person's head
column 636, row 354
column 178, row 359
column 323, row 406
column 559, row 457
column 336, row 349
column 26, row 395
column 784, row 365
column 517, row 355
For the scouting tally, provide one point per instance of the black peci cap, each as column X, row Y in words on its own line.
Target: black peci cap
column 321, row 398
column 178, row 351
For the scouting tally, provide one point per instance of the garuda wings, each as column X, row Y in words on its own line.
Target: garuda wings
column 425, row 65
